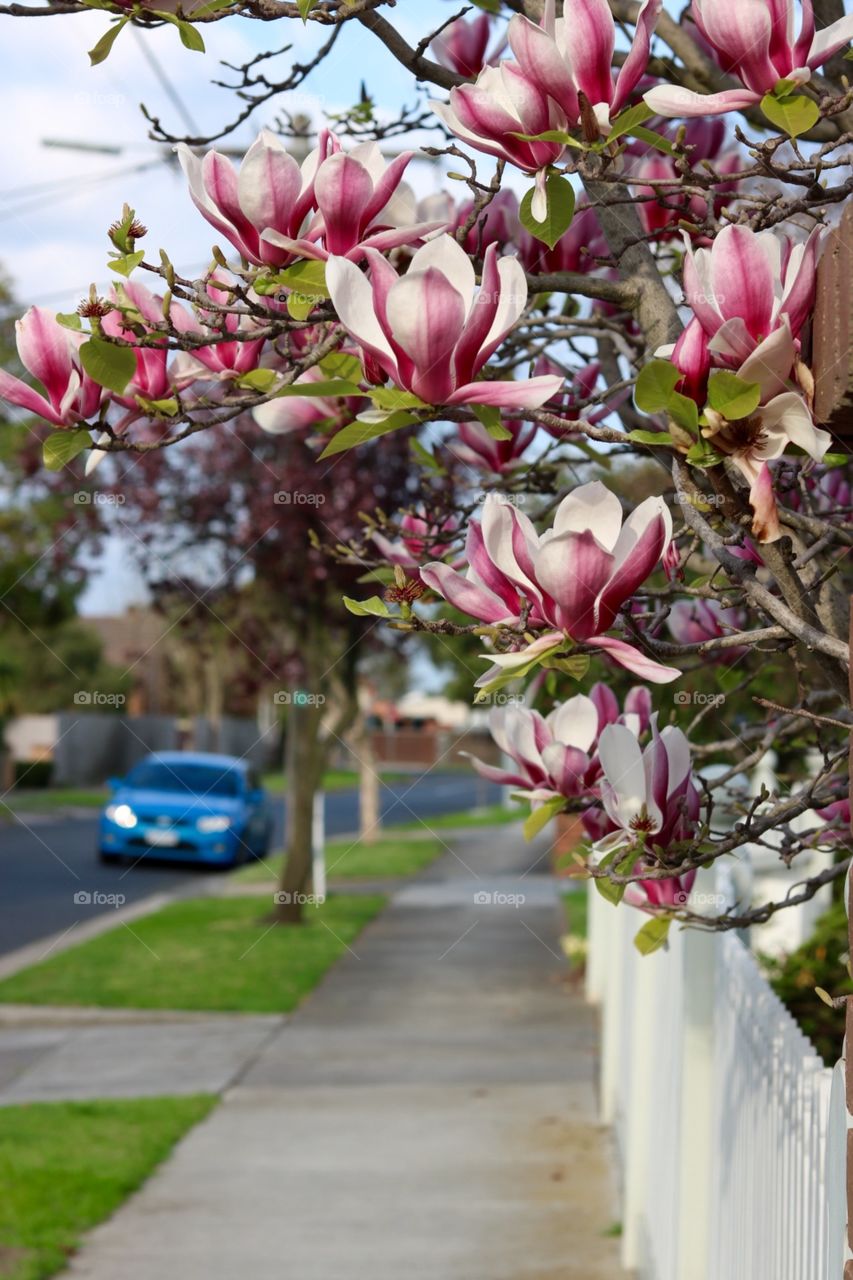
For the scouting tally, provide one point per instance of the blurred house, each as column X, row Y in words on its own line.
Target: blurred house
column 426, row 730
column 133, row 641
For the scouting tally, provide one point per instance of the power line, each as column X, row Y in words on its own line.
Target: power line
column 164, row 81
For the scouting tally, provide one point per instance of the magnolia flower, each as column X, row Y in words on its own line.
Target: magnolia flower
column 270, row 193
column 741, row 286
column 571, row 57
column 783, row 417
column 225, row 360
column 360, row 206
column 572, row 579
column 560, row 64
column 695, row 621
column 491, row 114
column 663, row 208
column 462, row 45
column 284, row 414
column 753, row 40
column 475, row 447
column 420, row 537
column 431, row 331
column 497, row 224
column 553, row 754
column 49, row 352
column 648, row 794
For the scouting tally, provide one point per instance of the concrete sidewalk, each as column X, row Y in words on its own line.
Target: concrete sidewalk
column 428, row 1114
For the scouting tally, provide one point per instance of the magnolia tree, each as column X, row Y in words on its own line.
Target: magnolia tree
column 648, row 296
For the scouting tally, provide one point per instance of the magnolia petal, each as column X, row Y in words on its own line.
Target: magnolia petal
column 633, row 660
column 531, row 393
column 672, row 101
column 352, row 299
column 762, row 499
column 478, row 602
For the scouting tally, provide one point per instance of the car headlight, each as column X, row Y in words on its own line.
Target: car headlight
column 216, row 822
column 122, row 815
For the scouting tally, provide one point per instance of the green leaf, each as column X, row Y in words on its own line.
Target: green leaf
column 655, row 385
column 190, row 36
column 127, row 263
column 262, row 380
column 653, row 935
column 703, row 455
column 560, row 198
column 101, row 51
column 339, row 365
column 360, row 432
column 308, row 277
column 793, row 114
column 305, row 7
column 731, row 396
column 168, row 407
column 69, row 320
column 426, row 458
column 628, row 121
column 824, row 996
column 334, row 387
column 539, row 818
column 651, row 437
column 490, row 416
column 108, row 365
column 652, row 139
column 60, row 447
column 510, row 674
column 576, row 665
column 375, row 607
column 392, row 398
column 300, row 305
column 609, row 891
column 683, row 412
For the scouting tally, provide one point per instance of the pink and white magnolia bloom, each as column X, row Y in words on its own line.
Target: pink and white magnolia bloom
column 648, row 793
column 463, row 45
column 419, row 537
column 475, row 447
column 554, row 755
column 755, row 40
column 695, row 621
column 572, row 57
column 360, row 206
column 275, row 210
column 431, row 331
column 285, row 414
column 49, row 352
column 574, row 251
column 574, row 577
column 740, row 288
column 270, row 192
column 783, row 417
column 558, row 64
column 491, row 114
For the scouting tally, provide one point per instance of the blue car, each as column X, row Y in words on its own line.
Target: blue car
column 187, row 807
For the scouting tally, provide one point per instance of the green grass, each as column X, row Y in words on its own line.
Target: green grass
column 336, row 779
column 576, row 904
column 490, row 816
column 349, row 860
column 206, row 953
column 42, row 800
column 65, row 1166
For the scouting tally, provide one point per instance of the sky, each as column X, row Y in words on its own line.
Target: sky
column 57, row 203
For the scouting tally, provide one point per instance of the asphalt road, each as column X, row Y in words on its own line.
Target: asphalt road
column 48, row 862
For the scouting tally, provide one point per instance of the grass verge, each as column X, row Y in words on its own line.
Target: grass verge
column 390, row 856
column 336, row 779
column 65, row 1166
column 492, row 815
column 207, row 953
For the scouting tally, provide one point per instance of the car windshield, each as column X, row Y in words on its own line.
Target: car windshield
column 195, row 779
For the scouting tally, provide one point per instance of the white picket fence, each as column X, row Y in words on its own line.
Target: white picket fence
column 730, row 1131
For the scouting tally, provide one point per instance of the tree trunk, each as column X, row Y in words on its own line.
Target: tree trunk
column 305, row 762
column 369, row 817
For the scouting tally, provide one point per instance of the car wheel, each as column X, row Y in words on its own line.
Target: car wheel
column 107, row 857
